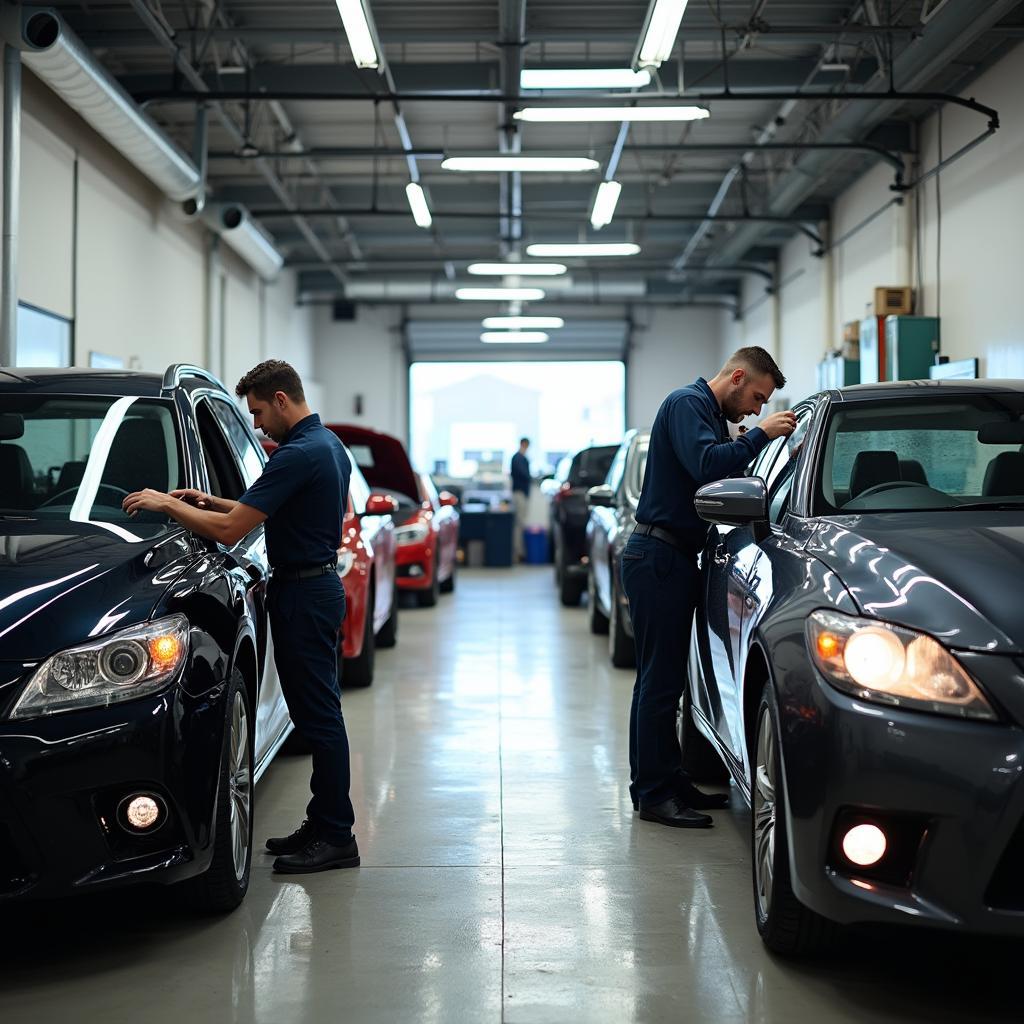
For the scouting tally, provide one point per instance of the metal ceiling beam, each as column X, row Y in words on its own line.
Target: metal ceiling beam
column 512, row 18
column 184, row 65
column 953, row 28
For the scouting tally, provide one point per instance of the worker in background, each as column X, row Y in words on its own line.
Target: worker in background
column 301, row 495
column 520, row 495
column 690, row 446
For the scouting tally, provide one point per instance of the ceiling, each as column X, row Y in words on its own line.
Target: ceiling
column 326, row 176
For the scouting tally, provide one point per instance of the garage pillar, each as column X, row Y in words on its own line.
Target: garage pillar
column 11, row 202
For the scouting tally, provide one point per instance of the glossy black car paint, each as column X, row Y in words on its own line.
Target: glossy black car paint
column 953, row 575
column 611, row 522
column 62, row 775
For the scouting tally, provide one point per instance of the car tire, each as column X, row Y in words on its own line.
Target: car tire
column 222, row 887
column 570, row 591
column 448, row 587
column 785, row 925
column 428, row 598
column 699, row 759
column 598, row 619
column 621, row 648
column 388, row 635
column 358, row 672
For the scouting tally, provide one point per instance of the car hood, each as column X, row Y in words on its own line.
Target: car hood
column 61, row 583
column 381, row 458
column 955, row 575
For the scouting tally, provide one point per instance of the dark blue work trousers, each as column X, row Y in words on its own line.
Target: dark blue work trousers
column 662, row 584
column 305, row 620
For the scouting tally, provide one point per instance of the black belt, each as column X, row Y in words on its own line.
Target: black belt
column 304, row 572
column 688, row 545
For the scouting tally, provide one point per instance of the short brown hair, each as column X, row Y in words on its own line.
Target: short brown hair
column 269, row 377
column 755, row 359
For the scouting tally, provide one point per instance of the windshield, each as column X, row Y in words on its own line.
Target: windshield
column 74, row 459
column 918, row 454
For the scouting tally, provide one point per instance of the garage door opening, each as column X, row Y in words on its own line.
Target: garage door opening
column 466, row 419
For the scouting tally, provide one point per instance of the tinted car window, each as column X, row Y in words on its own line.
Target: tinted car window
column 221, row 464
column 242, row 441
column 77, row 457
column 590, row 466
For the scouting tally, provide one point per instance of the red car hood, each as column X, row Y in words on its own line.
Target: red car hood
column 382, row 459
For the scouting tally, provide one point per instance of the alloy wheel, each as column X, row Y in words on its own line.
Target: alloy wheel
column 764, row 813
column 240, row 785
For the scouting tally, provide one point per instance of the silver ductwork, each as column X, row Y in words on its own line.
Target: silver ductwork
column 57, row 56
column 427, row 289
column 234, row 224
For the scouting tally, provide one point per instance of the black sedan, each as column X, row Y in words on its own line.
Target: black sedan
column 138, row 699
column 858, row 662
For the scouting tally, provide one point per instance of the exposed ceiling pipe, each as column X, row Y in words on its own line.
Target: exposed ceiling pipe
column 234, row 224
column 57, row 56
column 952, row 29
column 195, row 79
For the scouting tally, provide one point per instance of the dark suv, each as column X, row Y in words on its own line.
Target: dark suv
column 138, row 698
column 569, row 513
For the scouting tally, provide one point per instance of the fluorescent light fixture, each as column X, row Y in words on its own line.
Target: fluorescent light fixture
column 499, row 323
column 418, row 205
column 558, row 115
column 513, row 337
column 499, row 294
column 360, row 36
column 583, row 78
column 517, row 269
column 604, row 203
column 660, row 31
column 519, row 162
column 583, row 249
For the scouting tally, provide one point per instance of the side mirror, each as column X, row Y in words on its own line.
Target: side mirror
column 380, row 505
column 601, row 496
column 447, row 499
column 739, row 502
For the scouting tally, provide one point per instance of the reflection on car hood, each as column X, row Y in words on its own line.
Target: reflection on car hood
column 955, row 575
column 61, row 583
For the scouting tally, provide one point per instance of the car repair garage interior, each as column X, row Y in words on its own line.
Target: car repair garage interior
column 465, row 224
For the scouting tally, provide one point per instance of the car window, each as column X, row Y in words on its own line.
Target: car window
column 242, row 440
column 222, row 464
column 934, row 453
column 358, row 488
column 590, row 467
column 616, row 469
column 428, row 492
column 76, row 457
column 636, row 467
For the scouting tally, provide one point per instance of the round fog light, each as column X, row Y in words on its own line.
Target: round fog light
column 143, row 813
column 864, row 845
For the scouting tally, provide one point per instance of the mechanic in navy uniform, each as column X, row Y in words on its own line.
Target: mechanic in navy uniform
column 689, row 447
column 301, row 494
column 520, row 472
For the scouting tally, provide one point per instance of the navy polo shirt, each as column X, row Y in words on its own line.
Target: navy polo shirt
column 520, row 473
column 304, row 492
column 690, row 447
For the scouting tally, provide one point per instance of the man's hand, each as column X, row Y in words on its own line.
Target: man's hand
column 779, row 424
column 197, row 499
column 147, row 500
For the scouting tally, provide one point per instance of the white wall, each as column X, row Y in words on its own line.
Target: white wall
column 363, row 357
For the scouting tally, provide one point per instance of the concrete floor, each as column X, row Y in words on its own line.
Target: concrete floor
column 504, row 875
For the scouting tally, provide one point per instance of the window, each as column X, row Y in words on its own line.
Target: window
column 358, row 488
column 244, row 444
column 617, row 468
column 44, row 339
column 221, row 466
column 637, row 468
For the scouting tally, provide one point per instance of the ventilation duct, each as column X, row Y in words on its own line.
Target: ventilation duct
column 57, row 56
column 234, row 224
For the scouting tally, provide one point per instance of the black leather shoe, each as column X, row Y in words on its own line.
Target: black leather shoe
column 295, row 842
column 699, row 801
column 318, row 855
column 674, row 812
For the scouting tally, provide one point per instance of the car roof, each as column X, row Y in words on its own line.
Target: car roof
column 80, row 380
column 917, row 388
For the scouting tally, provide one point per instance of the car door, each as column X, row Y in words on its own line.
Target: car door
column 236, row 461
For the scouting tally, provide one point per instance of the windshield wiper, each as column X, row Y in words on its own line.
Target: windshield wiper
column 999, row 506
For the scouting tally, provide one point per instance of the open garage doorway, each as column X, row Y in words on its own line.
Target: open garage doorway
column 466, row 419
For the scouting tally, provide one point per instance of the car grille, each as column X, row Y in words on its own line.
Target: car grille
column 1006, row 889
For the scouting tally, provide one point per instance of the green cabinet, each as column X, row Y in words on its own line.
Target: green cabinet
column 837, row 372
column 911, row 344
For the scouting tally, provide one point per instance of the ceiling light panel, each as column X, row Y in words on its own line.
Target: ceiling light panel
column 497, row 323
column 660, row 31
column 517, row 269
column 605, row 201
column 360, row 35
column 568, row 249
column 584, row 115
column 499, row 294
column 513, row 337
column 583, row 78
column 418, row 205
column 519, row 162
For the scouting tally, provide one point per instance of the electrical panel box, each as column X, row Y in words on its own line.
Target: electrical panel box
column 911, row 344
column 837, row 372
column 872, row 350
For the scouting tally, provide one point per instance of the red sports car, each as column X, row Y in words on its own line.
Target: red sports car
column 428, row 522
column 366, row 565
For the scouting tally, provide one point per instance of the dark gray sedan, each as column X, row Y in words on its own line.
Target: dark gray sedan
column 858, row 663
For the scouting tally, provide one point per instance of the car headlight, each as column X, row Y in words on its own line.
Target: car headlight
column 129, row 664
column 414, row 534
column 346, row 559
column 888, row 664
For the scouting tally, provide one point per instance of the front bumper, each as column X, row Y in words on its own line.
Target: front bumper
column 958, row 786
column 414, row 566
column 62, row 779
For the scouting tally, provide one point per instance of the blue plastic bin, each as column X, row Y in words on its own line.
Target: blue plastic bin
column 535, row 539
